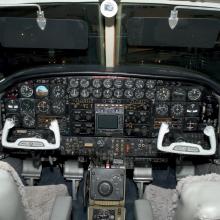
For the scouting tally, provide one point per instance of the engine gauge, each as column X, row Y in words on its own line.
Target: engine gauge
column 150, row 84
column 118, row 93
column 58, row 91
column 85, row 93
column 118, row 83
column 58, row 107
column 179, row 94
column 74, row 93
column 27, row 106
column 129, row 83
column 84, row 83
column 107, row 93
column 177, row 110
column 139, row 84
column 107, row 83
column 150, row 94
column 26, row 91
column 194, row 94
column 74, row 82
column 28, row 121
column 97, row 83
column 41, row 91
column 97, row 93
column 162, row 109
column 139, row 94
column 129, row 93
column 163, row 94
column 43, row 107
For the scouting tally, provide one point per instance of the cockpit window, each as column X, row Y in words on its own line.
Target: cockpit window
column 83, row 44
column 144, row 37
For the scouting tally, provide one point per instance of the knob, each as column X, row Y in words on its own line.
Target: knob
column 77, row 117
column 105, row 188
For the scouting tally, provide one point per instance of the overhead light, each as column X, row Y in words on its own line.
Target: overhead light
column 41, row 20
column 173, row 19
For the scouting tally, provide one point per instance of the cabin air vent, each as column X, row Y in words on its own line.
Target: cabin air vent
column 41, row 20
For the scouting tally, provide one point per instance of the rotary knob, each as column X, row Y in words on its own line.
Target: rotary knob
column 105, row 188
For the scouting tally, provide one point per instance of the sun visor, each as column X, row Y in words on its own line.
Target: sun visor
column 192, row 33
column 58, row 34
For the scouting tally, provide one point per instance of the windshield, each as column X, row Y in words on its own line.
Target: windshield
column 144, row 37
column 52, row 45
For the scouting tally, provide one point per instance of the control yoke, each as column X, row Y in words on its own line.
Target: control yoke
column 32, row 143
column 186, row 147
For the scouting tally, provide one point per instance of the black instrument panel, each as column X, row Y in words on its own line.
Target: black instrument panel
column 125, row 108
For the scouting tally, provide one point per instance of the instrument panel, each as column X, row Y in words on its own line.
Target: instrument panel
column 119, row 111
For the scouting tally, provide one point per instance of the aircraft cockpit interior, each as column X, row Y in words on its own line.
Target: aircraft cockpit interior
column 109, row 110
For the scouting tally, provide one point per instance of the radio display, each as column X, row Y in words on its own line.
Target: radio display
column 107, row 122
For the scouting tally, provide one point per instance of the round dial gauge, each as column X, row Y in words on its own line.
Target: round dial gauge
column 128, row 93
column 118, row 93
column 192, row 109
column 139, row 94
column 43, row 106
column 58, row 107
column 41, row 91
column 179, row 94
column 26, row 91
column 85, row 93
column 177, row 110
column 58, row 91
column 74, row 93
column 107, row 83
column 163, row 94
column 150, row 84
column 150, row 94
column 162, row 109
column 84, row 83
column 107, row 93
column 97, row 93
column 28, row 121
column 97, row 83
column 118, row 83
column 12, row 105
column 194, row 94
column 129, row 83
column 139, row 84
column 27, row 106
column 74, row 82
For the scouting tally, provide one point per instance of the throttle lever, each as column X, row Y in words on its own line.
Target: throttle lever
column 31, row 143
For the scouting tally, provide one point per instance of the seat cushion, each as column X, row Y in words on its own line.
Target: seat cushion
column 42, row 198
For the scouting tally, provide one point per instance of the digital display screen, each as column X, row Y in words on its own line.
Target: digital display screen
column 107, row 121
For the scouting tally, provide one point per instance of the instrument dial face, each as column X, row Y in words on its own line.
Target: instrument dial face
column 163, row 94
column 150, row 94
column 179, row 94
column 41, row 91
column 58, row 91
column 177, row 110
column 84, row 83
column 26, row 91
column 129, row 93
column 192, row 109
column 43, row 107
column 28, row 121
column 107, row 83
column 97, row 83
column 74, row 82
column 162, row 109
column 194, row 94
column 85, row 93
column 139, row 94
column 74, row 93
column 129, row 83
column 107, row 93
column 139, row 84
column 97, row 93
column 150, row 84
column 12, row 105
column 118, row 93
column 58, row 107
column 27, row 106
column 118, row 83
